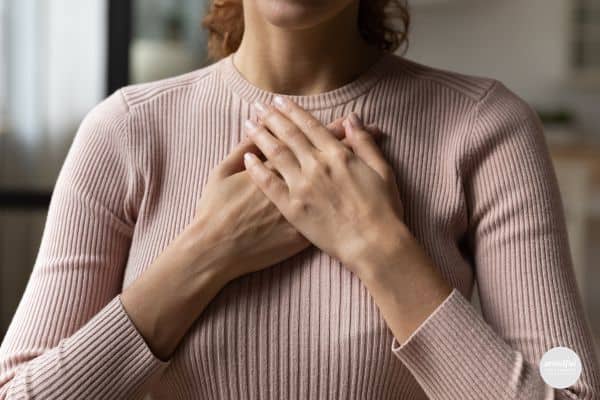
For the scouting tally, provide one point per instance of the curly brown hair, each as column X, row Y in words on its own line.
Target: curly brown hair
column 224, row 21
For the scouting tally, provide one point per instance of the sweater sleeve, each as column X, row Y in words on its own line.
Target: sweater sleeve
column 518, row 241
column 70, row 337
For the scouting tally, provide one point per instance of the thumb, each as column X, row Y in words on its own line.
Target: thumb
column 234, row 161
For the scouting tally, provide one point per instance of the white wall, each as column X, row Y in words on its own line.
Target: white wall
column 55, row 65
column 524, row 43
column 56, row 72
column 76, row 60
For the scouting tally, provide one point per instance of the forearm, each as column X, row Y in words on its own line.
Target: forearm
column 165, row 300
column 402, row 280
column 440, row 337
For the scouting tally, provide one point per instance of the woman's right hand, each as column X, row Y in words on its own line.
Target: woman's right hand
column 237, row 224
column 235, row 230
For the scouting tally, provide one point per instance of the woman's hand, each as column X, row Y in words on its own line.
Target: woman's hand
column 347, row 204
column 236, row 230
column 243, row 229
column 237, row 224
column 343, row 201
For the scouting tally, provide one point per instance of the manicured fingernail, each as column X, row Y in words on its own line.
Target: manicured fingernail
column 346, row 124
column 249, row 158
column 281, row 102
column 250, row 125
column 355, row 121
column 260, row 107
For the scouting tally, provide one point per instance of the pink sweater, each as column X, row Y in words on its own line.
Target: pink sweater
column 480, row 194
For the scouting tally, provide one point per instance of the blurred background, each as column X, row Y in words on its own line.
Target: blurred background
column 59, row 58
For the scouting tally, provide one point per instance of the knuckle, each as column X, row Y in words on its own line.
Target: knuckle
column 318, row 169
column 342, row 155
column 298, row 207
column 268, row 180
column 279, row 150
column 311, row 123
column 291, row 132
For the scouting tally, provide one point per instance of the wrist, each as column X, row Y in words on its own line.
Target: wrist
column 172, row 292
column 206, row 258
column 403, row 280
column 382, row 248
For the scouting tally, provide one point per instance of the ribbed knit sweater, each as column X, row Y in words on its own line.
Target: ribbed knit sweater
column 480, row 195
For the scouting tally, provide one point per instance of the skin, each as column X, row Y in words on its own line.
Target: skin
column 240, row 228
column 323, row 32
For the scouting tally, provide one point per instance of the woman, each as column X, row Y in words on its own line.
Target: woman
column 310, row 268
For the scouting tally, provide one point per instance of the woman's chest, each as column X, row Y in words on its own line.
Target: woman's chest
column 175, row 167
column 307, row 324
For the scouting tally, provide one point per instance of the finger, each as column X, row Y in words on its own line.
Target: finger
column 364, row 146
column 267, row 180
column 316, row 132
column 285, row 130
column 371, row 129
column 274, row 150
column 233, row 162
column 374, row 130
column 338, row 130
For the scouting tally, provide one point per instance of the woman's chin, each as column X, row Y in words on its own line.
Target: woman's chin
column 299, row 14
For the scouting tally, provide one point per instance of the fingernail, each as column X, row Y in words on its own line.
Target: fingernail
column 250, row 125
column 260, row 107
column 355, row 120
column 281, row 102
column 249, row 158
column 347, row 124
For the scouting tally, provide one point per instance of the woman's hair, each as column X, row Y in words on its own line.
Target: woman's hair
column 225, row 23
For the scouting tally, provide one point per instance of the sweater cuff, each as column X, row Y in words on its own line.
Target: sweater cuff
column 454, row 353
column 106, row 358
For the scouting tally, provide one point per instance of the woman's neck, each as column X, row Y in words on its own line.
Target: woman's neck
column 304, row 61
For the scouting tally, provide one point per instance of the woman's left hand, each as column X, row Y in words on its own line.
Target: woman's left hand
column 345, row 201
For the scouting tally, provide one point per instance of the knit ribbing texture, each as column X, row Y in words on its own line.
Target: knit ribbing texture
column 479, row 192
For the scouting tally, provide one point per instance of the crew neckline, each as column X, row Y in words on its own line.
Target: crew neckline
column 239, row 84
